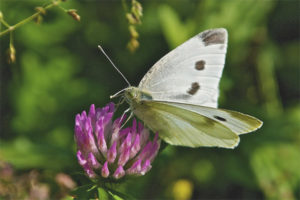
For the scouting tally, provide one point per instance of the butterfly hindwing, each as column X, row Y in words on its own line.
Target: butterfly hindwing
column 179, row 126
column 237, row 122
column 191, row 72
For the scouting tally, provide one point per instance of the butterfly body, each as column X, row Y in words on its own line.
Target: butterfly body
column 134, row 95
column 178, row 96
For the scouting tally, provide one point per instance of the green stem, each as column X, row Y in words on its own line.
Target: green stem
column 12, row 28
column 124, row 6
column 62, row 8
column 11, row 39
column 4, row 23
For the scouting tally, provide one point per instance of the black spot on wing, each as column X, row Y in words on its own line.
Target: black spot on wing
column 220, row 118
column 215, row 36
column 194, row 88
column 199, row 65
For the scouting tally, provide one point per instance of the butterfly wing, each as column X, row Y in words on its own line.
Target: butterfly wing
column 181, row 126
column 237, row 122
column 182, row 93
column 191, row 72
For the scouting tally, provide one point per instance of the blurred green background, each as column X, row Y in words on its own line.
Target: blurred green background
column 59, row 72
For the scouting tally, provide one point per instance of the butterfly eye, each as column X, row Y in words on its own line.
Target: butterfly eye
column 134, row 94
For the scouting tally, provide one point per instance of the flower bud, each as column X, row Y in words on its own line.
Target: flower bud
column 137, row 9
column 41, row 10
column 74, row 14
column 133, row 32
column 133, row 44
column 132, row 18
column 11, row 54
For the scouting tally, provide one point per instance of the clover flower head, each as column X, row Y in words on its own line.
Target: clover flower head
column 106, row 150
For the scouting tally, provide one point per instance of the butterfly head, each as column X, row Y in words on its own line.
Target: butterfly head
column 136, row 95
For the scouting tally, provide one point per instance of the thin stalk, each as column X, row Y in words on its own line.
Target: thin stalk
column 11, row 38
column 28, row 19
column 124, row 6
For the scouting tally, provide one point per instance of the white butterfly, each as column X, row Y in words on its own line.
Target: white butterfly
column 178, row 96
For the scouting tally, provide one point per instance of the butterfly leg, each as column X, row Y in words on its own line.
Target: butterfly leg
column 130, row 116
column 121, row 101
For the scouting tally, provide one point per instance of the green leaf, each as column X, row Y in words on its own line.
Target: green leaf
column 118, row 195
column 102, row 194
column 88, row 191
column 115, row 196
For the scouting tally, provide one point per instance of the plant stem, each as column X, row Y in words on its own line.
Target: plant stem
column 11, row 39
column 24, row 21
column 124, row 6
column 4, row 23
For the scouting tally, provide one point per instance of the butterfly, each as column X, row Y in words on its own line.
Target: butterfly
column 178, row 96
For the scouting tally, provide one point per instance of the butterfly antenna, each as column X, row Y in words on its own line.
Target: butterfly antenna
column 114, row 65
column 118, row 93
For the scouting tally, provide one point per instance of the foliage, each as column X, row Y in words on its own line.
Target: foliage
column 59, row 71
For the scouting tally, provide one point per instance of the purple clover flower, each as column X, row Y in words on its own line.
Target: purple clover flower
column 106, row 150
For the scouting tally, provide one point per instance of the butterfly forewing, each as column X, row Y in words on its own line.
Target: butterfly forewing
column 191, row 72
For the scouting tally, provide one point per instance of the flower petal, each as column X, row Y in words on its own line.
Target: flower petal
column 135, row 168
column 135, row 146
column 92, row 113
column 124, row 157
column 112, row 153
column 144, row 136
column 119, row 173
column 100, row 139
column 126, row 143
column 146, row 167
column 82, row 161
column 89, row 171
column 93, row 161
column 155, row 148
column 105, row 170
